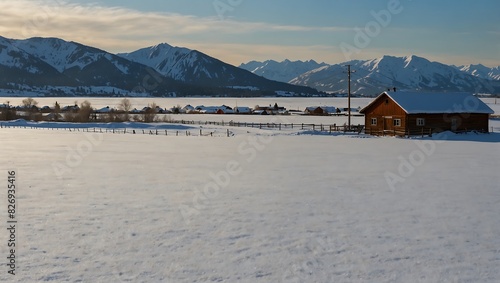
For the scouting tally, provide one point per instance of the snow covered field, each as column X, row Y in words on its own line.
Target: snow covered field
column 260, row 206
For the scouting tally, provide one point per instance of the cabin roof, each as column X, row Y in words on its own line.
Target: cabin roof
column 436, row 103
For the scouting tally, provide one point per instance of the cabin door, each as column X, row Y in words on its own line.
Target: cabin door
column 388, row 124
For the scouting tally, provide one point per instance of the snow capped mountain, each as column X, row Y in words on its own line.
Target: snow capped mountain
column 410, row 73
column 175, row 62
column 63, row 55
column 163, row 57
column 283, row 71
column 192, row 66
column 157, row 70
column 163, row 69
column 482, row 71
column 53, row 61
column 19, row 66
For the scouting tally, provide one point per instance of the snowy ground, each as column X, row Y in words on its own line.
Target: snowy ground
column 259, row 206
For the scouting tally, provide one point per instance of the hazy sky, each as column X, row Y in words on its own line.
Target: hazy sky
column 235, row 31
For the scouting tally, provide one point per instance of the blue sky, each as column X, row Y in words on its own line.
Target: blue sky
column 454, row 32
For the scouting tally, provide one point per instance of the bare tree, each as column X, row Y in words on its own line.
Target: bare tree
column 57, row 110
column 29, row 104
column 84, row 112
column 125, row 106
column 7, row 113
column 150, row 113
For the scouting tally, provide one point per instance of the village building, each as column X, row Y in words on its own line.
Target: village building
column 270, row 110
column 242, row 110
column 224, row 109
column 314, row 110
column 320, row 110
column 414, row 113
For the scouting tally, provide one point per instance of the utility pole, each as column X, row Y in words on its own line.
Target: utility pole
column 349, row 95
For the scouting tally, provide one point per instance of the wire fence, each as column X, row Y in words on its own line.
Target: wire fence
column 134, row 131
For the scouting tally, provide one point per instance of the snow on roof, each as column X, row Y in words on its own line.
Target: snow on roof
column 104, row 110
column 325, row 108
column 434, row 103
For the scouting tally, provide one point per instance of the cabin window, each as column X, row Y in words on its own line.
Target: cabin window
column 420, row 122
column 397, row 122
column 374, row 121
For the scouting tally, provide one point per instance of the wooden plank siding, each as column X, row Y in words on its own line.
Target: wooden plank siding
column 385, row 110
column 444, row 122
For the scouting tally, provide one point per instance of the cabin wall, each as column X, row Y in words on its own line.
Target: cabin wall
column 385, row 111
column 450, row 122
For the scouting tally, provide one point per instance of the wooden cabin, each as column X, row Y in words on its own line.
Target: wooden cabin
column 415, row 113
column 314, row 110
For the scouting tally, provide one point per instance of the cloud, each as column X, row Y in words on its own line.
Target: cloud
column 120, row 29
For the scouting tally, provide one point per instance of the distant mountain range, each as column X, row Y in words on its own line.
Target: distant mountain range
column 284, row 71
column 44, row 64
column 373, row 76
column 481, row 71
column 52, row 66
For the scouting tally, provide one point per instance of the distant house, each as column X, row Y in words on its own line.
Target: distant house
column 214, row 109
column 269, row 110
column 320, row 110
column 187, row 109
column 242, row 110
column 106, row 109
column 46, row 109
column 314, row 110
column 413, row 113
column 70, row 108
column 53, row 117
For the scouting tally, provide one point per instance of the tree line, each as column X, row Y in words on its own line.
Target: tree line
column 78, row 113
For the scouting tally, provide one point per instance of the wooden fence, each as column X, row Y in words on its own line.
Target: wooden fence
column 330, row 128
column 278, row 126
column 149, row 131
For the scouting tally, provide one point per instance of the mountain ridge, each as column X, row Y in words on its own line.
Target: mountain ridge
column 39, row 62
column 283, row 71
column 409, row 72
